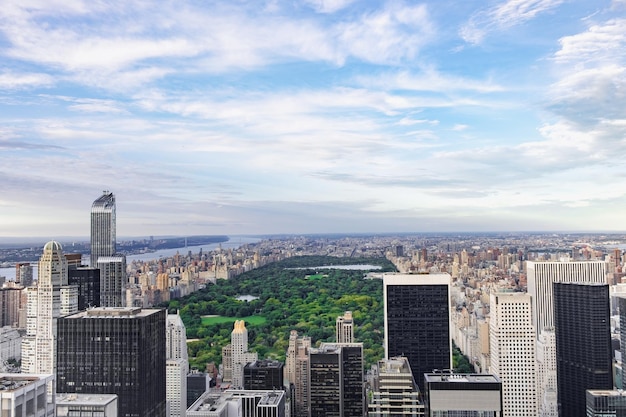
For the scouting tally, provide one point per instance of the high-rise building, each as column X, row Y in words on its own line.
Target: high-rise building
column 264, row 374
column 103, row 235
column 541, row 275
column 336, row 380
column 467, row 395
column 417, row 321
column 512, row 348
column 87, row 279
column 394, row 391
column 24, row 274
column 112, row 280
column 297, row 372
column 86, row 405
column 177, row 365
column 241, row 356
column 344, row 328
column 46, row 303
column 115, row 351
column 10, row 304
column 583, row 343
column 26, row 395
column 606, row 403
column 197, row 383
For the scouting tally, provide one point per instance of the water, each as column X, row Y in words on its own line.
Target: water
column 234, row 242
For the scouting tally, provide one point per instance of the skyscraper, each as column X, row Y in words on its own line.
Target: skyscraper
column 336, row 380
column 297, row 372
column 241, row 356
column 344, row 331
column 394, row 392
column 417, row 321
column 103, row 227
column 512, row 348
column 112, row 280
column 177, row 365
column 265, row 375
column 583, row 343
column 45, row 304
column 115, row 351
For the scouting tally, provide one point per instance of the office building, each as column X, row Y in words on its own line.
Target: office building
column 541, row 275
column 394, row 391
column 10, row 304
column 417, row 321
column 103, row 234
column 86, row 405
column 115, row 351
column 177, row 366
column 239, row 403
column 512, row 348
column 297, row 373
column 583, row 343
column 87, row 279
column 606, row 403
column 467, row 395
column 112, row 280
column 336, row 385
column 344, row 328
column 25, row 395
column 264, row 375
column 240, row 354
column 197, row 383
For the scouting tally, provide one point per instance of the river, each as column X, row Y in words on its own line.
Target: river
column 233, row 242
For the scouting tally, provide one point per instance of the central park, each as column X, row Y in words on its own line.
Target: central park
column 293, row 294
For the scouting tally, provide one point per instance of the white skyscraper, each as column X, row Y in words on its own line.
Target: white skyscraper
column 512, row 347
column 46, row 303
column 177, row 366
column 241, row 356
column 541, row 276
column 103, row 233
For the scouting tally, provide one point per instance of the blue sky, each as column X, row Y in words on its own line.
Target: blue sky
column 313, row 116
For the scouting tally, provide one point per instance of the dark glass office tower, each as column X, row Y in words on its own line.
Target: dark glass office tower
column 103, row 234
column 583, row 343
column 116, row 351
column 336, row 380
column 417, row 321
column 88, row 281
column 263, row 375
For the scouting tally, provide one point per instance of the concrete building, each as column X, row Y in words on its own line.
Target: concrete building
column 239, row 403
column 513, row 359
column 115, row 351
column 11, row 304
column 25, row 395
column 24, row 274
column 467, row 395
column 344, row 328
column 241, row 356
column 177, row 365
column 394, row 391
column 583, row 343
column 417, row 321
column 86, row 405
column 112, row 280
column 297, row 373
column 605, row 403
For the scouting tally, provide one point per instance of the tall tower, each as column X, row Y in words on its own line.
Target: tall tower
column 297, row 372
column 512, row 348
column 46, row 302
column 241, row 356
column 583, row 343
column 115, row 351
column 344, row 332
column 417, row 321
column 540, row 277
column 112, row 280
column 102, row 227
column 177, row 366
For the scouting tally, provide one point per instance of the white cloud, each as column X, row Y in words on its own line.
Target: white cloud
column 328, row 6
column 505, row 15
column 12, row 80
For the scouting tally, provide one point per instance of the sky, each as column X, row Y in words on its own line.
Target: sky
column 313, row 116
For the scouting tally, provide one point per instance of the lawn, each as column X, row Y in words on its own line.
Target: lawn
column 254, row 320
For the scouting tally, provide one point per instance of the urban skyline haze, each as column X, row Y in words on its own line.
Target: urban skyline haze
column 313, row 116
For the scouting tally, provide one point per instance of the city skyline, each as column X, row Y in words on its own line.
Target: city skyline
column 313, row 116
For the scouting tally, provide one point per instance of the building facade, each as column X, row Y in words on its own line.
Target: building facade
column 394, row 391
column 240, row 354
column 583, row 343
column 417, row 321
column 26, row 395
column 103, row 233
column 177, row 365
column 467, row 395
column 344, row 328
column 264, row 375
column 512, row 347
column 115, row 351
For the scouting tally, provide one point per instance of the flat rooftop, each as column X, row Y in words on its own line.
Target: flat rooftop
column 452, row 378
